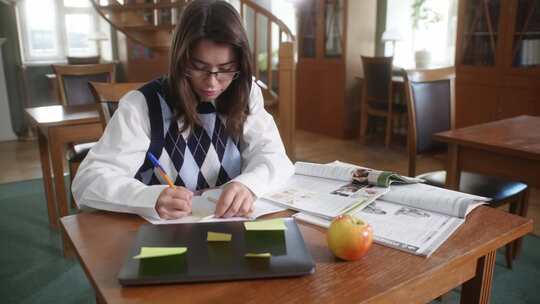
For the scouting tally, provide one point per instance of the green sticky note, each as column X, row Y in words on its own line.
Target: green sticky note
column 218, row 237
column 265, row 225
column 258, row 255
column 154, row 252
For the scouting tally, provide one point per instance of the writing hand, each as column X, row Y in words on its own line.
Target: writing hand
column 235, row 200
column 174, row 203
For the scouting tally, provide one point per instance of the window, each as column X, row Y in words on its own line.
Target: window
column 430, row 32
column 53, row 29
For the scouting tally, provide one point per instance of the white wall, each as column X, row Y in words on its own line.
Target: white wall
column 6, row 130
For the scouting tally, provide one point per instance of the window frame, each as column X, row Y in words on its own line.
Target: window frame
column 60, row 11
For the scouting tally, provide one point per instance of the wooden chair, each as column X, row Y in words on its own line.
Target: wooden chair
column 107, row 95
column 430, row 100
column 377, row 95
column 74, row 90
column 73, row 81
column 83, row 60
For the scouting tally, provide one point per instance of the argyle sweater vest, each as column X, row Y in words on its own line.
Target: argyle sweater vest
column 196, row 159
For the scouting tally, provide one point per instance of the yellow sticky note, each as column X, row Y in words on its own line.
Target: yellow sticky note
column 273, row 224
column 153, row 252
column 258, row 255
column 218, row 237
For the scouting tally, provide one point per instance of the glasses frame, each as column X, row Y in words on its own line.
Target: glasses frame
column 207, row 74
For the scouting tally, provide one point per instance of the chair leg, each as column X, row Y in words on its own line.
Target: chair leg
column 518, row 207
column 522, row 211
column 363, row 126
column 509, row 254
column 388, row 136
column 73, row 167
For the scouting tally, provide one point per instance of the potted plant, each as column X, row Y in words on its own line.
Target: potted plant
column 423, row 16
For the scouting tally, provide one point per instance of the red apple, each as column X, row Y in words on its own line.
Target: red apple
column 348, row 237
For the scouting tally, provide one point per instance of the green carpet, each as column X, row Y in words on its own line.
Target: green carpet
column 33, row 269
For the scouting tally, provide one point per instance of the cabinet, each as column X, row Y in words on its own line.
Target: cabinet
column 332, row 35
column 497, row 60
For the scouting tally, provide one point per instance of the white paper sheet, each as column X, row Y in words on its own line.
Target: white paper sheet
column 203, row 208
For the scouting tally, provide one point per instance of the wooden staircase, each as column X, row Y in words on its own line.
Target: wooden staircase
column 150, row 23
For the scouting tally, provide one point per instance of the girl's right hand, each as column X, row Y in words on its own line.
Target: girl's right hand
column 174, row 203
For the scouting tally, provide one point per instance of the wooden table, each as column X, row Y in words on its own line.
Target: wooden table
column 507, row 148
column 57, row 126
column 384, row 275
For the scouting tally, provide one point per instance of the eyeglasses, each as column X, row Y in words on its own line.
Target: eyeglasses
column 220, row 76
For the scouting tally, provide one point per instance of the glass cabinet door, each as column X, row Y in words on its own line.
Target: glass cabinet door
column 481, row 32
column 308, row 29
column 333, row 17
column 526, row 40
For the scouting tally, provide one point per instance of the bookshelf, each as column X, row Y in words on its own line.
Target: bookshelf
column 497, row 60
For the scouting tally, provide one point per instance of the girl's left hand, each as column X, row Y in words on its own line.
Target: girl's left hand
column 235, row 200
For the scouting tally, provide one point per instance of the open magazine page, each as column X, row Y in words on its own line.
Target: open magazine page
column 324, row 197
column 329, row 171
column 203, row 208
column 409, row 229
column 346, row 172
column 449, row 202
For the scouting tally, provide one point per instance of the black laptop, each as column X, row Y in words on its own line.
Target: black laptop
column 216, row 261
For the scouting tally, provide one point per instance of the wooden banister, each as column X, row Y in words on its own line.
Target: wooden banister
column 279, row 102
column 262, row 11
column 287, row 93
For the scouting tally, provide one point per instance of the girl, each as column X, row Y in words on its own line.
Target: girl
column 205, row 122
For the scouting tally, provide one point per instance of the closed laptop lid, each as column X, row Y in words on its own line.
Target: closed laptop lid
column 216, row 261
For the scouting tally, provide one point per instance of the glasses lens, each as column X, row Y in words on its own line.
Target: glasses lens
column 199, row 74
column 220, row 76
column 226, row 76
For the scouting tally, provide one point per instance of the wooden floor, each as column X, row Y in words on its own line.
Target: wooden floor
column 20, row 160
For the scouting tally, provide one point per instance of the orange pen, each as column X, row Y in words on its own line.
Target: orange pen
column 161, row 171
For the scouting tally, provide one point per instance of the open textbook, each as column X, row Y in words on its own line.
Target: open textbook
column 415, row 218
column 325, row 190
column 348, row 172
column 204, row 205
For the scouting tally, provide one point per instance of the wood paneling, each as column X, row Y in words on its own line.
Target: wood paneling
column 474, row 103
column 514, row 101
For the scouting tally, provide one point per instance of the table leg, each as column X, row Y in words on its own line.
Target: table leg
column 453, row 171
column 478, row 289
column 47, row 182
column 57, row 159
column 99, row 299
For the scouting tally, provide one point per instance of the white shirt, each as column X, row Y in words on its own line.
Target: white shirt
column 106, row 178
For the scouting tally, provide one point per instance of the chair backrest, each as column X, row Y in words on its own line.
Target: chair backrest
column 83, row 60
column 377, row 77
column 73, row 81
column 107, row 95
column 430, row 100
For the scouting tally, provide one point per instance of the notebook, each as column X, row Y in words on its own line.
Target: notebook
column 270, row 254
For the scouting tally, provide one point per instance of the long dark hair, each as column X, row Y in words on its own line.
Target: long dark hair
column 220, row 22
